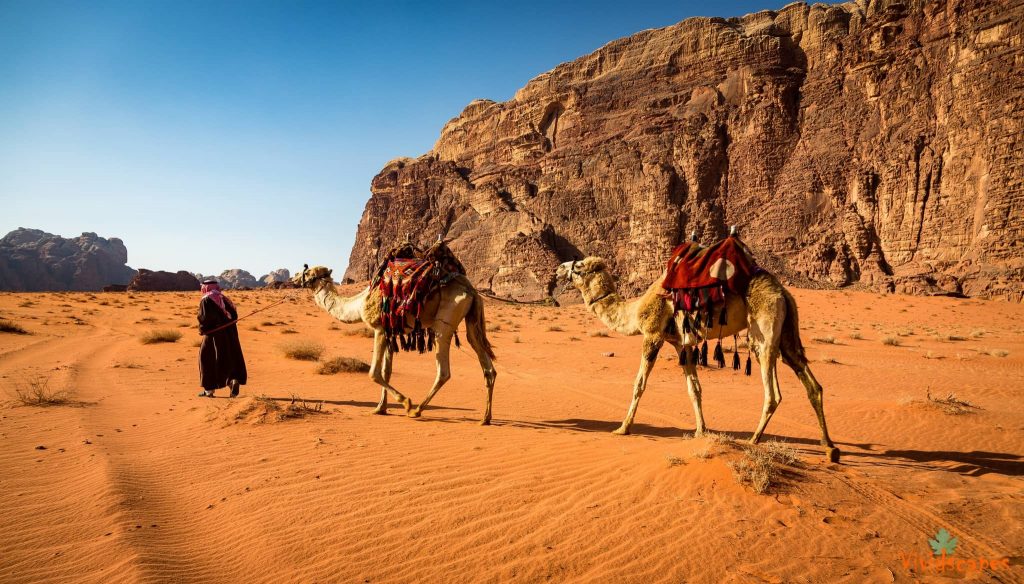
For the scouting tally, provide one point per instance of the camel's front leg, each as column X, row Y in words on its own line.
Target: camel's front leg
column 647, row 359
column 377, row 370
column 693, row 388
column 768, row 357
column 444, row 371
column 382, row 406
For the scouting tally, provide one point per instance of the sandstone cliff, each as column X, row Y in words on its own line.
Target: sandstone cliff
column 874, row 142
column 32, row 260
column 161, row 281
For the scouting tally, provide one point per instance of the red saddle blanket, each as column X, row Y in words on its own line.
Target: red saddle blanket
column 701, row 275
column 404, row 287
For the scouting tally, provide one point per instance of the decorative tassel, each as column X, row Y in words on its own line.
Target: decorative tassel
column 686, row 323
column 694, row 356
column 710, row 320
column 704, row 354
column 719, row 355
column 721, row 317
column 457, row 343
column 735, row 361
column 421, row 342
column 430, row 339
column 747, row 370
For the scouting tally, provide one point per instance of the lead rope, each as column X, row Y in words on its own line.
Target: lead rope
column 224, row 326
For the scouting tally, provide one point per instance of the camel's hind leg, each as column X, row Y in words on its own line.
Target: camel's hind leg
column 382, row 406
column 816, row 396
column 486, row 364
column 765, row 334
column 443, row 340
column 377, row 370
column 647, row 360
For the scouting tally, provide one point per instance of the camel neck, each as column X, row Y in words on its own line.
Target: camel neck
column 614, row 312
column 348, row 310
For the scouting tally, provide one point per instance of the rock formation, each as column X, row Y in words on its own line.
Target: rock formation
column 32, row 260
column 279, row 275
column 160, row 281
column 236, row 278
column 872, row 142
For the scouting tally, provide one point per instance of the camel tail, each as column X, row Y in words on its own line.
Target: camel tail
column 476, row 326
column 790, row 344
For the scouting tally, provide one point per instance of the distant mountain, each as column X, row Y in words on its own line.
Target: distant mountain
column 32, row 260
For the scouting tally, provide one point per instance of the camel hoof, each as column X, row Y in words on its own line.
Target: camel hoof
column 378, row 412
column 621, row 431
column 407, row 404
column 485, row 422
column 699, row 433
column 832, row 454
column 415, row 413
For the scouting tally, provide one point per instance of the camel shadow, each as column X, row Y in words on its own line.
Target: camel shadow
column 974, row 463
column 360, row 404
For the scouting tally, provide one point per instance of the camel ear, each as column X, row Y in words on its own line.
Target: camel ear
column 329, row 272
column 593, row 264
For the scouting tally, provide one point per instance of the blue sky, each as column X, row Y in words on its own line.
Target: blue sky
column 222, row 134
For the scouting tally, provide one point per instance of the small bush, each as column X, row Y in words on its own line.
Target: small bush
column 978, row 333
column 36, row 391
column 493, row 328
column 289, row 332
column 555, row 329
column 825, row 340
column 759, row 467
column 674, row 460
column 950, row 404
column 7, row 326
column 598, row 333
column 856, row 336
column 362, row 331
column 303, row 350
column 343, row 365
column 160, row 336
column 891, row 341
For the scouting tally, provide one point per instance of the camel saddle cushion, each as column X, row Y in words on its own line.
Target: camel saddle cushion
column 699, row 275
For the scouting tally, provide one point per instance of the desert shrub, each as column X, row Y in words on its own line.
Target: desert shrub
column 760, row 466
column 856, row 336
column 362, row 331
column 493, row 328
column 36, row 391
column 891, row 341
column 160, row 336
column 7, row 326
column 950, row 404
column 303, row 350
column 825, row 340
column 343, row 365
column 289, row 332
column 555, row 329
column 598, row 333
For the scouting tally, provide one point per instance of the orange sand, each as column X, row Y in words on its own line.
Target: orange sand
column 143, row 481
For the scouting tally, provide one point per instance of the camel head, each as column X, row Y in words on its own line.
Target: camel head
column 310, row 277
column 590, row 276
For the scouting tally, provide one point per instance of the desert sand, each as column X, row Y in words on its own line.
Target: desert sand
column 137, row 479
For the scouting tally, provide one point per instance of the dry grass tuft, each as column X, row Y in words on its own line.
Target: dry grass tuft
column 856, row 336
column 7, row 326
column 891, row 341
column 303, row 350
column 598, row 333
column 494, row 328
column 362, row 331
column 950, row 404
column 760, row 466
column 555, row 329
column 262, row 409
column 160, row 336
column 674, row 460
column 343, row 365
column 36, row 391
column 825, row 340
column 289, row 332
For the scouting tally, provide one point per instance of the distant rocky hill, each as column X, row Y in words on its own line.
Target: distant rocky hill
column 32, row 260
column 874, row 142
column 161, row 281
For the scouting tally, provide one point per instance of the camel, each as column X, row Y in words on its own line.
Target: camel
column 768, row 310
column 443, row 310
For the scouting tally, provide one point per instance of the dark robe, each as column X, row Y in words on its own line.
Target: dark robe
column 220, row 355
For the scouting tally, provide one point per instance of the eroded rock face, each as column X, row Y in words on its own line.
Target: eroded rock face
column 32, row 260
column 874, row 142
column 237, row 278
column 161, row 281
column 278, row 275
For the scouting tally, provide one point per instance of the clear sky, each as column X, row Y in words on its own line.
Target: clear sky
column 244, row 134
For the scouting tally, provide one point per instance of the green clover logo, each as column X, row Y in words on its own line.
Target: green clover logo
column 943, row 542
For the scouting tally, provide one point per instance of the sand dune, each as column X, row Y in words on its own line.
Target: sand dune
column 139, row 480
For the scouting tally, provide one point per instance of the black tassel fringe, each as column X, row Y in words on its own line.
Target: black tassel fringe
column 735, row 361
column 747, row 369
column 704, row 354
column 457, row 342
column 719, row 355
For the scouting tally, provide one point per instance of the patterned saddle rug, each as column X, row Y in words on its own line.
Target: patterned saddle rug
column 406, row 278
column 697, row 279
